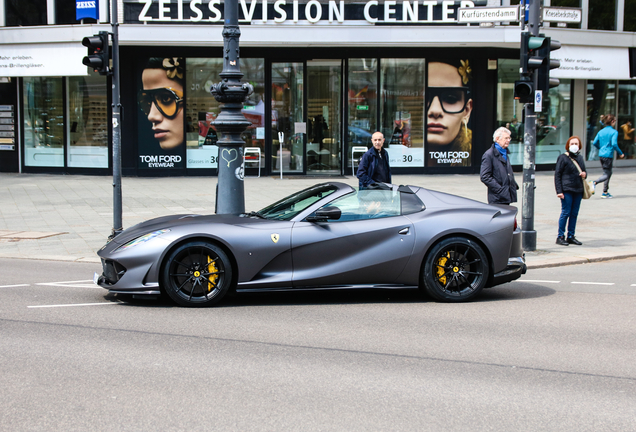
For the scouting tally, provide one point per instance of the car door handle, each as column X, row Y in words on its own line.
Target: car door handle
column 404, row 231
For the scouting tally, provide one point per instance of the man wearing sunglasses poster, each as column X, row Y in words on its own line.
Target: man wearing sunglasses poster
column 161, row 100
column 448, row 108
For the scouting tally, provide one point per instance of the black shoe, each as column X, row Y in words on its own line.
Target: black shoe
column 561, row 241
column 573, row 240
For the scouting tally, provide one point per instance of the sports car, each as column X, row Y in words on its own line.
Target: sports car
column 328, row 236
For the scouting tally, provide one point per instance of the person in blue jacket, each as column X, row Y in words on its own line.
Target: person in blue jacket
column 374, row 164
column 607, row 143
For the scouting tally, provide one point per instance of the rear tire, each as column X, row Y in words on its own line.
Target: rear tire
column 455, row 270
column 197, row 274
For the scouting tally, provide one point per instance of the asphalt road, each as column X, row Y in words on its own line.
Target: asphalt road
column 554, row 351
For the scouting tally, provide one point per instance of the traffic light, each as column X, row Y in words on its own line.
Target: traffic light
column 530, row 53
column 98, row 52
column 528, row 62
column 545, row 83
column 534, row 54
column 524, row 90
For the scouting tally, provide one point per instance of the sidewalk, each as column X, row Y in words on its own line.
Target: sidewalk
column 58, row 217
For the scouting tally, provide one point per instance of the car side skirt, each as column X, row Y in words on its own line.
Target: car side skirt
column 325, row 288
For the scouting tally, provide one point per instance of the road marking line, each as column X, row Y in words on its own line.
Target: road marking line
column 67, row 282
column 13, row 286
column 70, row 305
column 92, row 285
column 593, row 283
column 541, row 281
column 633, row 285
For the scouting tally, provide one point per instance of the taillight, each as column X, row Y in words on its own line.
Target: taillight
column 515, row 228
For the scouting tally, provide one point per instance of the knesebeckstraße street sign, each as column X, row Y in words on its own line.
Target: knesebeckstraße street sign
column 562, row 15
column 477, row 15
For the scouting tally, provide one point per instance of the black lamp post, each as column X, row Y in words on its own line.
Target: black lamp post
column 231, row 93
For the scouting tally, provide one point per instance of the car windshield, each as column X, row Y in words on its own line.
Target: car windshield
column 290, row 206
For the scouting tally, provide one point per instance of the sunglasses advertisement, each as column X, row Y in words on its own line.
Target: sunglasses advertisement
column 449, row 105
column 161, row 102
column 425, row 113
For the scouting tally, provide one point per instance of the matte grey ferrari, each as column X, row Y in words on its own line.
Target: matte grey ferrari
column 328, row 236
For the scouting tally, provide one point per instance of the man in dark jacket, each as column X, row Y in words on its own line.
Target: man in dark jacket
column 374, row 164
column 496, row 170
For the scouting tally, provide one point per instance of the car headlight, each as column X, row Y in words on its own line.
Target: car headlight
column 142, row 239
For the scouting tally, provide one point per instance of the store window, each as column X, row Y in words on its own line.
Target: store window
column 87, row 122
column 324, row 102
column 43, row 121
column 629, row 17
column 553, row 125
column 601, row 15
column 601, row 100
column 25, row 12
column 402, row 108
column 202, row 109
column 287, row 116
column 627, row 118
column 510, row 112
column 362, row 100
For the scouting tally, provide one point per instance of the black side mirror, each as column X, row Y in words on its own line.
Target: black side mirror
column 325, row 214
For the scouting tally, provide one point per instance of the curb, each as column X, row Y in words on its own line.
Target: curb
column 579, row 261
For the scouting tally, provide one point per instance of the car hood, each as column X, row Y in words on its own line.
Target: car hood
column 175, row 221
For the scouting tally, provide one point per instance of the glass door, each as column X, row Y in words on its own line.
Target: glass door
column 324, row 137
column 287, row 117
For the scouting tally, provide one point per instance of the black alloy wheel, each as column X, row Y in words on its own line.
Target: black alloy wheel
column 456, row 269
column 197, row 274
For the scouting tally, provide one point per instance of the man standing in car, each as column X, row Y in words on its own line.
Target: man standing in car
column 374, row 164
column 496, row 170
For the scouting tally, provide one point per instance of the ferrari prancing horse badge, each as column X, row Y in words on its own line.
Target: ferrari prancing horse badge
column 275, row 238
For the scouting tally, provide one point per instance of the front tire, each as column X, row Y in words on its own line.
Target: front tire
column 456, row 269
column 197, row 274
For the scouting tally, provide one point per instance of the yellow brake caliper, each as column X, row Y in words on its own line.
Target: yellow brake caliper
column 213, row 278
column 441, row 262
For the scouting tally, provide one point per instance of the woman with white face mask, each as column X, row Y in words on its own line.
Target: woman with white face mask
column 568, row 182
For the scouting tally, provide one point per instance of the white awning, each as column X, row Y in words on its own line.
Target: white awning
column 586, row 62
column 55, row 59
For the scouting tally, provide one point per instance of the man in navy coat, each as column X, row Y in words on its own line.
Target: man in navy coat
column 374, row 164
column 496, row 170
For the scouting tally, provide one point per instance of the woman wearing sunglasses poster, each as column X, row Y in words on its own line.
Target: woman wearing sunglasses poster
column 448, row 108
column 162, row 101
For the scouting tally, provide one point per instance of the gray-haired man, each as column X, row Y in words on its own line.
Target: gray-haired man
column 496, row 170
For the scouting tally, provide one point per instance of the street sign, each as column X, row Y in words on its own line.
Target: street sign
column 538, row 101
column 477, row 15
column 562, row 15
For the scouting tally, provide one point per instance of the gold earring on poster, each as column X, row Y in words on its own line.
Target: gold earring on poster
column 466, row 128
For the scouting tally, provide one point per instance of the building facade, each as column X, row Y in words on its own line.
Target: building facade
column 326, row 75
